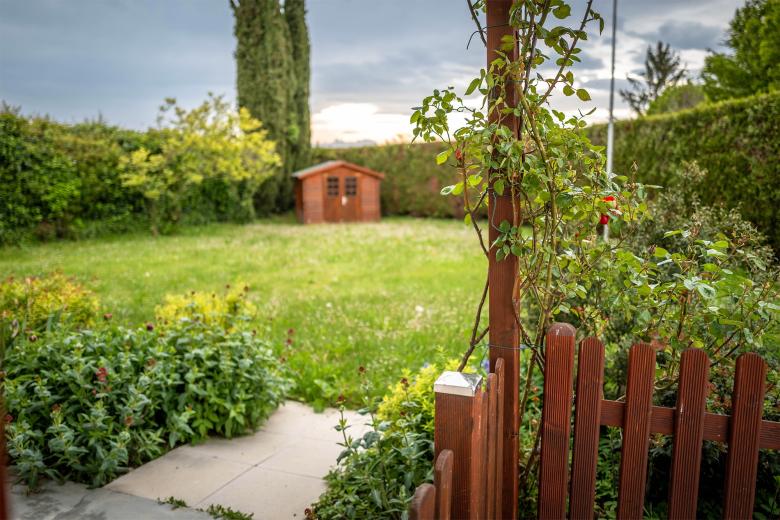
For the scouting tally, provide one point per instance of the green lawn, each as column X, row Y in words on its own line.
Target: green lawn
column 386, row 296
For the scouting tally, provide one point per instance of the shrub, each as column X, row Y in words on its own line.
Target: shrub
column 735, row 142
column 86, row 405
column 36, row 303
column 227, row 310
column 378, row 472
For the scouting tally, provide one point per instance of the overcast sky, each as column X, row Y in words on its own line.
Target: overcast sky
column 371, row 59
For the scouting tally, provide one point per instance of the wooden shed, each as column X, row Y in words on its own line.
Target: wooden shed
column 337, row 191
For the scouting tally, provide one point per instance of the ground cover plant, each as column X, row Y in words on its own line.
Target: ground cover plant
column 376, row 295
column 87, row 404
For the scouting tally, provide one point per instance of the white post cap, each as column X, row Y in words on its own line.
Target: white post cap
column 457, row 383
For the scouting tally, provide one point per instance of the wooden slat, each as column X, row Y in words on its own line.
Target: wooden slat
column 770, row 435
column 442, row 479
column 452, row 431
column 556, row 421
column 590, row 382
column 636, row 431
column 492, row 436
column 423, row 505
column 478, row 472
column 500, row 393
column 744, row 434
column 688, row 434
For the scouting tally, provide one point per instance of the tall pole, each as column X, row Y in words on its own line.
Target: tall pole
column 501, row 279
column 611, row 126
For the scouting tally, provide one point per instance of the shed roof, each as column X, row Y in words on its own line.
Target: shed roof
column 332, row 165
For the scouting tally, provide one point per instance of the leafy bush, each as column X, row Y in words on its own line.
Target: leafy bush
column 735, row 142
column 87, row 405
column 209, row 144
column 224, row 310
column 378, row 472
column 36, row 303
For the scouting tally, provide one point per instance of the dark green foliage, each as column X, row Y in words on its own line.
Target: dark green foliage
column 662, row 69
column 676, row 98
column 265, row 84
column 87, row 405
column 300, row 126
column 737, row 143
column 754, row 64
column 412, row 182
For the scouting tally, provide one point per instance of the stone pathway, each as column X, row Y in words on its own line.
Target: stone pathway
column 275, row 473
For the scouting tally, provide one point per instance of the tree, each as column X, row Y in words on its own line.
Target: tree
column 662, row 69
column 300, row 126
column 264, row 76
column 754, row 66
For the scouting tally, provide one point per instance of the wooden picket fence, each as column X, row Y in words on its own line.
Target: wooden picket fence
column 469, row 424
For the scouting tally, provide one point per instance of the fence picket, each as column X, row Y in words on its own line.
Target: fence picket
column 442, row 479
column 587, row 419
column 492, row 435
column 499, row 470
column 744, row 434
column 556, row 421
column 636, row 431
column 423, row 506
column 688, row 433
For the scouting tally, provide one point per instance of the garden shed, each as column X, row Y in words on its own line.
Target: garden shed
column 337, row 191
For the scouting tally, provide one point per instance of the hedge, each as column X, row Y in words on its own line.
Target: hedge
column 736, row 142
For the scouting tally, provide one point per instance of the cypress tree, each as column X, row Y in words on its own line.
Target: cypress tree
column 264, row 80
column 300, row 152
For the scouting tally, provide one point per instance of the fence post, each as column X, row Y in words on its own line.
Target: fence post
column 501, row 277
column 458, row 427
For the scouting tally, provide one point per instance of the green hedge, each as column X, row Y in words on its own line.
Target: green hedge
column 736, row 142
column 412, row 182
column 63, row 181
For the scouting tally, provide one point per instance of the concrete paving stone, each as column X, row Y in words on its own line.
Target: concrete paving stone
column 179, row 473
column 250, row 449
column 298, row 419
column 71, row 501
column 308, row 457
column 270, row 495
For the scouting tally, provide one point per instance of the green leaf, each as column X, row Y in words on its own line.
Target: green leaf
column 498, row 187
column 473, row 85
column 442, row 157
column 583, row 94
column 562, row 11
column 660, row 252
column 567, row 90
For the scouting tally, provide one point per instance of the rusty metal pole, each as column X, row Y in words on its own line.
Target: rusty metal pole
column 503, row 326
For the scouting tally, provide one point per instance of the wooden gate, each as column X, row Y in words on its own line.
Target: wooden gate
column 467, row 468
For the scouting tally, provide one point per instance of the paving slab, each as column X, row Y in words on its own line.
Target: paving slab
column 180, row 473
column 275, row 473
column 70, row 501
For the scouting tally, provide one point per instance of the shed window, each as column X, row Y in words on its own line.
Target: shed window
column 350, row 186
column 333, row 186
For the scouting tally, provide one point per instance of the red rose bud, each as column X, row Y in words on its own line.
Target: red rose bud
column 604, row 220
column 458, row 155
column 107, row 316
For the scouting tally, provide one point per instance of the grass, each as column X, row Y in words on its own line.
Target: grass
column 386, row 296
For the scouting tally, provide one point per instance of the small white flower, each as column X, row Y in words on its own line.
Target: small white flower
column 419, row 309
column 329, row 305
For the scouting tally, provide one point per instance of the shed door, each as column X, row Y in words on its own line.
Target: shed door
column 332, row 198
column 350, row 201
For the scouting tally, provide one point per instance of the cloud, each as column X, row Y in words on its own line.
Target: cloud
column 683, row 35
column 358, row 122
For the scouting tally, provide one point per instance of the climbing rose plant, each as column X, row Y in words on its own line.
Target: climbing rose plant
column 513, row 142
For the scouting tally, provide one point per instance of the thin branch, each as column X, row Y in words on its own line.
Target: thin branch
column 475, row 17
